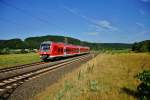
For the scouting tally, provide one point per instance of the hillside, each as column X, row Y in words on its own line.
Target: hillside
column 34, row 42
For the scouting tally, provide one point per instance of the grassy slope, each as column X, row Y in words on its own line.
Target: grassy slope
column 17, row 59
column 102, row 78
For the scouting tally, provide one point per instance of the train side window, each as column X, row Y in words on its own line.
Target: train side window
column 68, row 50
column 58, row 50
column 61, row 50
column 55, row 49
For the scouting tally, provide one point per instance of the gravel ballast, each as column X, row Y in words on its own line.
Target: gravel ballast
column 30, row 88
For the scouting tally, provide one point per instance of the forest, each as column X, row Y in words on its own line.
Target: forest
column 34, row 43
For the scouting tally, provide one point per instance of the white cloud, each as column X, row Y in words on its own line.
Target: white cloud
column 145, row 1
column 73, row 10
column 106, row 25
column 145, row 32
column 140, row 25
column 142, row 12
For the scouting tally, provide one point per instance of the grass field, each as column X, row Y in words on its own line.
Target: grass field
column 105, row 77
column 17, row 59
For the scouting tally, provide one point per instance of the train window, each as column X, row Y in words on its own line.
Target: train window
column 67, row 50
column 61, row 50
column 45, row 46
column 77, row 50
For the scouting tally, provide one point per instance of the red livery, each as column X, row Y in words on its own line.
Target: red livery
column 49, row 50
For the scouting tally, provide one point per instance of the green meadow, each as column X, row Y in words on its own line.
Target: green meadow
column 9, row 60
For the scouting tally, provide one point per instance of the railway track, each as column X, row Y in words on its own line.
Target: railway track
column 9, row 84
column 19, row 67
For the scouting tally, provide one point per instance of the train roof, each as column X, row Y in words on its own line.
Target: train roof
column 46, row 42
column 79, row 46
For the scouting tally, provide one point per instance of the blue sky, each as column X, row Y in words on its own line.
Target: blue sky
column 122, row 21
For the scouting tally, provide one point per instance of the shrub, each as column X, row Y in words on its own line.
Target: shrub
column 67, row 87
column 23, row 51
column 143, row 46
column 5, row 51
column 0, row 51
column 144, row 87
column 93, row 85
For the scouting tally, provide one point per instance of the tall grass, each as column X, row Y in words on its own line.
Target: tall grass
column 103, row 78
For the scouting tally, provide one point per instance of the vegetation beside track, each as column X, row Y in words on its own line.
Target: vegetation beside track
column 18, row 59
column 108, row 76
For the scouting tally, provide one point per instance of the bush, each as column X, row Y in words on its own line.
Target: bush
column 0, row 51
column 13, row 51
column 23, row 51
column 143, row 46
column 144, row 87
column 5, row 51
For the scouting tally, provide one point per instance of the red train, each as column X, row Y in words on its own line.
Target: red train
column 50, row 50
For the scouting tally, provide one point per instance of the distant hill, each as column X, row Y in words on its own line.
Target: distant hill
column 34, row 43
column 12, row 43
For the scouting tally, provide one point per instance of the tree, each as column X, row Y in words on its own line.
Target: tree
column 143, row 46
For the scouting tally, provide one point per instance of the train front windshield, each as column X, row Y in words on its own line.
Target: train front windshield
column 45, row 47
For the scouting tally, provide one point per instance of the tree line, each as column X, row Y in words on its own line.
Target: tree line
column 143, row 46
column 34, row 43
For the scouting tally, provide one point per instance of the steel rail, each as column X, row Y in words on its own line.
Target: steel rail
column 2, row 70
column 13, row 82
column 19, row 67
column 15, row 73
